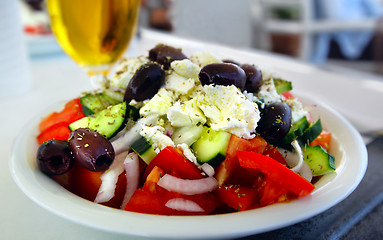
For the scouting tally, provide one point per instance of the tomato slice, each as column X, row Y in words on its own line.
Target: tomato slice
column 71, row 112
column 229, row 170
column 173, row 162
column 275, row 172
column 324, row 140
column 147, row 202
column 238, row 197
column 272, row 192
column 155, row 202
column 152, row 179
column 288, row 95
column 86, row 184
column 59, row 131
column 273, row 152
column 152, row 198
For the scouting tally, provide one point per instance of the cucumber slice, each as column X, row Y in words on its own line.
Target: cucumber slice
column 144, row 150
column 211, row 146
column 319, row 160
column 282, row 85
column 312, row 132
column 81, row 123
column 296, row 130
column 95, row 102
column 132, row 113
column 106, row 122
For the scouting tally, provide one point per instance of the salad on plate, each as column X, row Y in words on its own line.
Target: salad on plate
column 171, row 134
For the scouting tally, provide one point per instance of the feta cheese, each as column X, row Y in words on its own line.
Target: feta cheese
column 185, row 68
column 297, row 109
column 187, row 152
column 179, row 84
column 226, row 108
column 250, row 96
column 204, row 58
column 125, row 71
column 185, row 114
column 156, row 137
column 158, row 104
column 268, row 92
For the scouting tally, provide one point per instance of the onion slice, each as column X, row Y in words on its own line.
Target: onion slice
column 123, row 143
column 306, row 172
column 181, row 204
column 208, row 169
column 188, row 187
column 294, row 159
column 132, row 169
column 109, row 179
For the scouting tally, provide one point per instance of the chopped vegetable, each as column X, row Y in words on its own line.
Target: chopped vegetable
column 71, row 112
column 275, row 172
column 172, row 161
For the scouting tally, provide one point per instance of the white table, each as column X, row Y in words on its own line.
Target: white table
column 58, row 78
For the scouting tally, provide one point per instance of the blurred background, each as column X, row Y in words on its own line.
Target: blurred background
column 328, row 33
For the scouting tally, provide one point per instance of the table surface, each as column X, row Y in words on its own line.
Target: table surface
column 54, row 77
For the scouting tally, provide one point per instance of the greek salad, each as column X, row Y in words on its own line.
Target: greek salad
column 172, row 134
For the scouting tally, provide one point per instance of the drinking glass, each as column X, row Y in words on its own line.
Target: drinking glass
column 95, row 33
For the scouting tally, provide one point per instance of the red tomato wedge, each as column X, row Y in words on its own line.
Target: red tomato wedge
column 273, row 152
column 59, row 131
column 155, row 203
column 147, row 202
column 173, row 162
column 229, row 170
column 238, row 197
column 275, row 172
column 152, row 198
column 152, row 179
column 288, row 95
column 272, row 192
column 86, row 184
column 71, row 112
column 324, row 140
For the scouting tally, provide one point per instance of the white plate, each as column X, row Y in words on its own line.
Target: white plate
column 348, row 149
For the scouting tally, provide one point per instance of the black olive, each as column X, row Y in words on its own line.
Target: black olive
column 54, row 157
column 164, row 55
column 275, row 122
column 91, row 149
column 145, row 83
column 223, row 74
column 253, row 78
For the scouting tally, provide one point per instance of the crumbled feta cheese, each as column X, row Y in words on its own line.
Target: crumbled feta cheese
column 185, row 68
column 250, row 96
column 268, row 92
column 179, row 84
column 204, row 58
column 187, row 152
column 297, row 109
column 125, row 71
column 158, row 104
column 185, row 114
column 226, row 108
column 156, row 137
